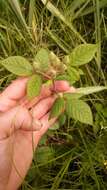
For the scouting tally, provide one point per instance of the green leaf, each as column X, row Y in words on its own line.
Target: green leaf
column 63, row 77
column 57, row 108
column 79, row 110
column 18, row 65
column 84, row 91
column 90, row 89
column 42, row 60
column 72, row 96
column 34, row 86
column 54, row 60
column 82, row 54
column 73, row 74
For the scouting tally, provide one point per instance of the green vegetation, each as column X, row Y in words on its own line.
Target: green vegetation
column 58, row 38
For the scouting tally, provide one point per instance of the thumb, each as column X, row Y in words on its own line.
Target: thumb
column 17, row 118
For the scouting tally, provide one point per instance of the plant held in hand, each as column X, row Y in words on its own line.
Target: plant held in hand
column 46, row 67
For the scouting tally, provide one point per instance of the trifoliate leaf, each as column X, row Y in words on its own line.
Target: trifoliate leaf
column 41, row 61
column 82, row 54
column 57, row 107
column 18, row 65
column 34, row 86
column 79, row 110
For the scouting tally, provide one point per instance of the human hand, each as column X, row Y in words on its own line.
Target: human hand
column 21, row 122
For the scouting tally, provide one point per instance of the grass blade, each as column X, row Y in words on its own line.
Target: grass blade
column 17, row 10
column 57, row 13
column 96, row 4
column 31, row 12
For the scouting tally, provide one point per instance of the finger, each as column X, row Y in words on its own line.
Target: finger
column 15, row 119
column 46, row 124
column 60, row 86
column 46, row 91
column 16, row 89
column 12, row 93
column 42, row 107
